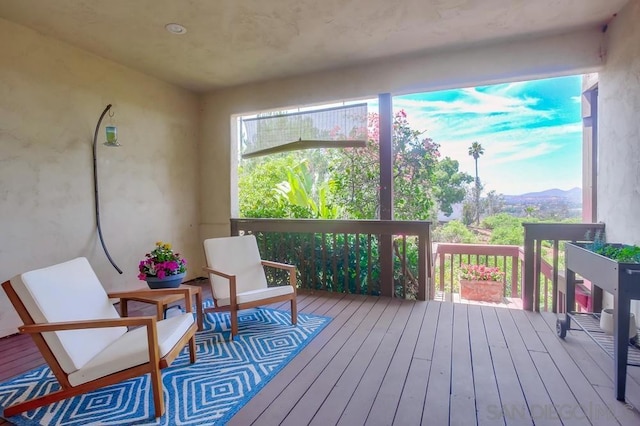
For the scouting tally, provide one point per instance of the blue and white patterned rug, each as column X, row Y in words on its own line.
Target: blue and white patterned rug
column 224, row 378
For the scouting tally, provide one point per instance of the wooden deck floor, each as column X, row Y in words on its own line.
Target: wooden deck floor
column 383, row 361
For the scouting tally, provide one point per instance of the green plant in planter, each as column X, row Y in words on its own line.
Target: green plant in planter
column 619, row 253
column 624, row 254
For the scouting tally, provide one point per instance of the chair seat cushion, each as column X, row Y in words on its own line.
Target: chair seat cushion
column 255, row 295
column 237, row 256
column 69, row 291
column 131, row 349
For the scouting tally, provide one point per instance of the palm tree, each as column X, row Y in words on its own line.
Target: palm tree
column 476, row 150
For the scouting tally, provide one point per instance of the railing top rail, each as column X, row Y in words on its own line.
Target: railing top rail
column 386, row 227
column 560, row 231
column 480, row 249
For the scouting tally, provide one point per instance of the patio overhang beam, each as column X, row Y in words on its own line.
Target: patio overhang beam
column 306, row 144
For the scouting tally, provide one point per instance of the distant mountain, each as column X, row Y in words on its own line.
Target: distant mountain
column 573, row 194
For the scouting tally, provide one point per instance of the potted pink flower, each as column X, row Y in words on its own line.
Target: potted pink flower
column 481, row 282
column 162, row 268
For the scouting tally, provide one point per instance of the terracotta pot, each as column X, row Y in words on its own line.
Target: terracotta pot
column 485, row 291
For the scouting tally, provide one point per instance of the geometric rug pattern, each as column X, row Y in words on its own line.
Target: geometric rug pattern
column 224, row 378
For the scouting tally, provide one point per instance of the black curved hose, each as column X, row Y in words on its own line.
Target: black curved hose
column 95, row 188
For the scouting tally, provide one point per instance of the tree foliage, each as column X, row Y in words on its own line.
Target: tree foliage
column 345, row 183
column 476, row 150
column 299, row 190
column 421, row 181
column 257, row 180
column 449, row 184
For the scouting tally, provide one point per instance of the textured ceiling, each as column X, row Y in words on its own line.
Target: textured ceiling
column 232, row 42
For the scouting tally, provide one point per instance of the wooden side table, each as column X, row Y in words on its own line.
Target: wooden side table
column 163, row 300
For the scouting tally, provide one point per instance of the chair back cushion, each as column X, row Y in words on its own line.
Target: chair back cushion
column 235, row 256
column 69, row 291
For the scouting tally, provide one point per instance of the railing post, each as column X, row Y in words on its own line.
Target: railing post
column 554, row 291
column 514, row 275
column 536, row 275
column 529, row 271
column 386, row 265
column 431, row 292
column 423, row 267
column 442, row 258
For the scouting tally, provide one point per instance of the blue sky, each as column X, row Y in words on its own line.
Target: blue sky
column 531, row 131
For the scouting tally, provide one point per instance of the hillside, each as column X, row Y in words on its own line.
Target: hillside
column 548, row 204
column 572, row 195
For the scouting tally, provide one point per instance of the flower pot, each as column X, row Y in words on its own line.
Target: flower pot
column 606, row 323
column 170, row 281
column 484, row 291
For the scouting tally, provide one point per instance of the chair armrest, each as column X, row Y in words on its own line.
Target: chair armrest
column 146, row 293
column 285, row 266
column 79, row 325
column 232, row 283
column 218, row 273
column 142, row 292
column 148, row 322
column 290, row 268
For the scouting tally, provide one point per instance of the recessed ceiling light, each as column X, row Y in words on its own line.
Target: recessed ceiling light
column 175, row 28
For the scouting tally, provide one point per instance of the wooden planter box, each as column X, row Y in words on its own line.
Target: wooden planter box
column 484, row 291
column 604, row 272
column 620, row 279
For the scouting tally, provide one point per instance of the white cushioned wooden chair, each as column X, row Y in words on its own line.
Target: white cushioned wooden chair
column 83, row 339
column 238, row 280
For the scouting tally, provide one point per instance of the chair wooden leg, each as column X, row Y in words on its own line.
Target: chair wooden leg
column 234, row 324
column 192, row 349
column 38, row 402
column 158, row 399
column 294, row 311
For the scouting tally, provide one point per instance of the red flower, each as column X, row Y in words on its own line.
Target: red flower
column 481, row 273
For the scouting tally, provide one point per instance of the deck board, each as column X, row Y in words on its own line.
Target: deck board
column 386, row 401
column 568, row 386
column 308, row 404
column 462, row 406
column 279, row 408
column 385, row 361
column 487, row 397
column 341, row 312
column 436, row 407
column 339, row 395
column 415, row 389
column 361, row 402
column 598, row 370
column 513, row 405
column 543, row 411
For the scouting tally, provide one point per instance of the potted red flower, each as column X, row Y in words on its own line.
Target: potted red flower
column 481, row 282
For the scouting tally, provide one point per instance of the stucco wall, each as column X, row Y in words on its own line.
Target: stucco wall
column 619, row 132
column 51, row 96
column 619, row 137
column 502, row 62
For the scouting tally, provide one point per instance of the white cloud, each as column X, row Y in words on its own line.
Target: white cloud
column 516, row 131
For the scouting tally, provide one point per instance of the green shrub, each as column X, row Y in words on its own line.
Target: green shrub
column 454, row 232
column 501, row 220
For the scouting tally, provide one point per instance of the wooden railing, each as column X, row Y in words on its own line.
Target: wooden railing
column 380, row 257
column 449, row 257
column 395, row 258
column 534, row 295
